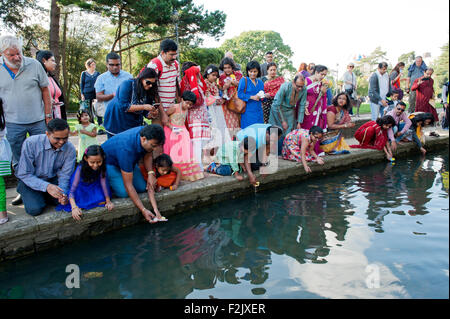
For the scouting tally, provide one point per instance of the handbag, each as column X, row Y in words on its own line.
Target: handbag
column 236, row 104
column 99, row 108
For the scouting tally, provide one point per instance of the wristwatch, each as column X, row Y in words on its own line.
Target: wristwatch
column 48, row 115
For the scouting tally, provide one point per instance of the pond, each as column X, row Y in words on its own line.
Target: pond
column 375, row 232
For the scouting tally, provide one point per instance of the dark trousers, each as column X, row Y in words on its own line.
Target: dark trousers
column 35, row 201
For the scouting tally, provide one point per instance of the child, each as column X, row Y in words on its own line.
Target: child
column 232, row 158
column 87, row 132
column 299, row 146
column 5, row 165
column 392, row 102
column 178, row 141
column 415, row 133
column 89, row 186
column 167, row 175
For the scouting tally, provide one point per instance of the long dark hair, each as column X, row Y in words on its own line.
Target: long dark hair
column 140, row 95
column 422, row 117
column 44, row 54
column 88, row 175
column 387, row 119
column 2, row 116
column 397, row 67
column 347, row 105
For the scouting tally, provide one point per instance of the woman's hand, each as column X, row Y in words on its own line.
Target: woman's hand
column 267, row 95
column 350, row 125
column 299, row 126
column 306, row 111
column 307, row 169
column 284, row 125
column 320, row 161
column 109, row 206
column 255, row 97
column 148, row 215
column 76, row 213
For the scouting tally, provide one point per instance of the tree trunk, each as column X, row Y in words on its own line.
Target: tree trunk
column 55, row 13
column 64, row 59
column 129, row 50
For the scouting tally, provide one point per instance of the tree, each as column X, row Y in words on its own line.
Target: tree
column 55, row 13
column 13, row 12
column 440, row 66
column 153, row 20
column 202, row 56
column 407, row 58
column 369, row 64
column 253, row 45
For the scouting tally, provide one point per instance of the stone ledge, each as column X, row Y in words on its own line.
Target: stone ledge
column 24, row 235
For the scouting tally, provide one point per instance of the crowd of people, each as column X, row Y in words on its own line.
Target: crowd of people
column 217, row 121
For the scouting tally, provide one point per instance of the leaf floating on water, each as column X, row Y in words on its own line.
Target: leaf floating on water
column 258, row 291
column 93, row 274
column 416, row 233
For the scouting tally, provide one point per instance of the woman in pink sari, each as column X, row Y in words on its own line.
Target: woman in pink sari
column 316, row 100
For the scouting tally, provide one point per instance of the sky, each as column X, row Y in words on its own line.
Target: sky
column 329, row 32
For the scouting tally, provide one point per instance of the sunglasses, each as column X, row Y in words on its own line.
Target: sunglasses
column 400, row 109
column 148, row 82
column 351, row 66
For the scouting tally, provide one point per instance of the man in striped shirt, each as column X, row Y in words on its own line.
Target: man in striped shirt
column 167, row 69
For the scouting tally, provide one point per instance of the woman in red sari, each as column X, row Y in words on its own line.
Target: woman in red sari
column 424, row 93
column 373, row 135
column 228, row 83
column 272, row 84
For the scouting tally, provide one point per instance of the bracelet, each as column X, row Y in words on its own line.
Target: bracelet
column 151, row 172
column 48, row 115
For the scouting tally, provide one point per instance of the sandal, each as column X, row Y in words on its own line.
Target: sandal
column 434, row 134
column 3, row 220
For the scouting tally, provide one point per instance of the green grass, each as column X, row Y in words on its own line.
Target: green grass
column 365, row 108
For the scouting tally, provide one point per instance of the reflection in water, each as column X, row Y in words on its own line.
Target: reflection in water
column 314, row 239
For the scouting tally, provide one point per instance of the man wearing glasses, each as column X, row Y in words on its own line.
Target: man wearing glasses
column 107, row 83
column 402, row 124
column 46, row 164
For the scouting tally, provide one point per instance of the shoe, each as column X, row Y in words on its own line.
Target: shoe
column 3, row 220
column 211, row 167
column 434, row 134
column 17, row 201
column 101, row 132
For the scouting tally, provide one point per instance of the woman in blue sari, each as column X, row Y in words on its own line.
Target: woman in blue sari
column 249, row 90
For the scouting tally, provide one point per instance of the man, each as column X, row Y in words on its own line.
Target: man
column 350, row 84
column 415, row 71
column 45, row 167
column 26, row 97
column 269, row 59
column 168, row 71
column 402, row 124
column 282, row 112
column 424, row 89
column 107, row 83
column 379, row 88
column 266, row 137
column 123, row 153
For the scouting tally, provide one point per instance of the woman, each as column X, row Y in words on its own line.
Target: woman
column 87, row 82
column 219, row 131
column 316, row 105
column 303, row 70
column 228, row 83
column 395, row 78
column 299, row 144
column 197, row 118
column 272, row 84
column 373, row 135
column 133, row 101
column 251, row 91
column 338, row 119
column 48, row 62
column 415, row 132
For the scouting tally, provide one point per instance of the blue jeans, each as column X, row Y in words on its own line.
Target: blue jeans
column 17, row 133
column 398, row 128
column 116, row 181
column 36, row 201
column 224, row 170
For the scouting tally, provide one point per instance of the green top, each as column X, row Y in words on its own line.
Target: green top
column 230, row 154
column 84, row 141
column 282, row 111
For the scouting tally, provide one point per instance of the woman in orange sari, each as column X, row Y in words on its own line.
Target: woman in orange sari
column 228, row 83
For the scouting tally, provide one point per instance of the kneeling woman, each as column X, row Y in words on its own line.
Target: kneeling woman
column 338, row 119
column 133, row 102
column 373, row 135
column 299, row 146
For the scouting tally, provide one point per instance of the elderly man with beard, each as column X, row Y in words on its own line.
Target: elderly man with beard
column 25, row 94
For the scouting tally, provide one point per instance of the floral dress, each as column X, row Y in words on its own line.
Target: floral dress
column 232, row 119
column 293, row 144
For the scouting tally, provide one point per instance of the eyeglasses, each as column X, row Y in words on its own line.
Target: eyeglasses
column 400, row 109
column 148, row 82
column 110, row 64
column 351, row 66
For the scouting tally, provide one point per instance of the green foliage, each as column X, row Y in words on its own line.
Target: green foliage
column 407, row 58
column 441, row 68
column 202, row 56
column 13, row 12
column 152, row 20
column 369, row 64
column 253, row 45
